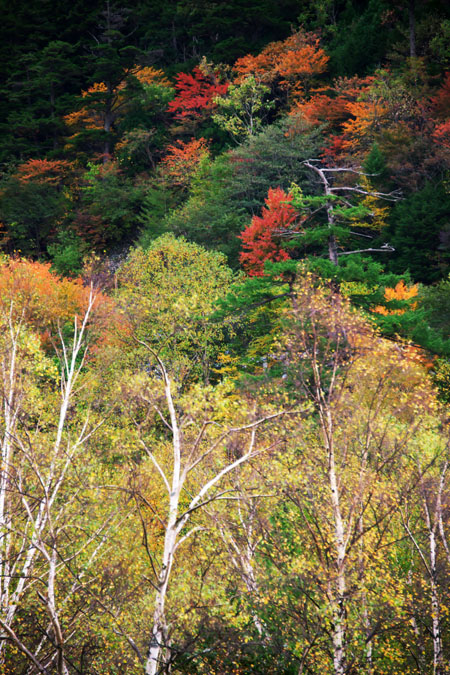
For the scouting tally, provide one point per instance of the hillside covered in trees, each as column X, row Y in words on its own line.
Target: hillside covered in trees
column 225, row 337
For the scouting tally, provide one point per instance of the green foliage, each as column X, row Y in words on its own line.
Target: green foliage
column 67, row 253
column 210, row 216
column 39, row 92
column 360, row 41
column 375, row 164
column 244, row 108
column 156, row 206
column 441, row 378
column 143, row 128
column 345, row 355
column 230, row 189
column 272, row 158
column 419, row 231
column 167, row 293
column 31, row 212
column 108, row 206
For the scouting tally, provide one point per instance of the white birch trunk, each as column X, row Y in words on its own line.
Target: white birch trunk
column 29, row 537
column 435, row 609
column 158, row 653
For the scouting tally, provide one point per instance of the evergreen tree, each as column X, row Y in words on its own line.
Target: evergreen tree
column 420, row 231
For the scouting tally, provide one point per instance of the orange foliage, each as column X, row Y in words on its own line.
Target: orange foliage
column 298, row 57
column 34, row 294
column 331, row 105
column 368, row 116
column 90, row 118
column 149, row 76
column 399, row 292
column 261, row 239
column 182, row 160
column 417, row 355
column 44, row 170
column 321, row 108
column 38, row 295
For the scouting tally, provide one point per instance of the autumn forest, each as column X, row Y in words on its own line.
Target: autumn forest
column 225, row 337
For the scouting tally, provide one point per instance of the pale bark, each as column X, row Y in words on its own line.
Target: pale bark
column 433, row 521
column 330, row 191
column 242, row 555
column 332, row 243
column 338, row 585
column 28, row 533
column 184, row 460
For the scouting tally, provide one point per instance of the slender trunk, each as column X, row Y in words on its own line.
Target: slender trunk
column 412, row 29
column 338, row 605
column 332, row 243
column 159, row 631
column 365, row 610
column 332, row 249
column 29, row 542
column 435, row 609
column 415, row 627
column 9, row 384
column 252, row 588
column 432, row 521
column 338, row 601
column 53, row 614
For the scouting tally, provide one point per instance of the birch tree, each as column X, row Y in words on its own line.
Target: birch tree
column 370, row 403
column 426, row 531
column 193, row 470
column 35, row 467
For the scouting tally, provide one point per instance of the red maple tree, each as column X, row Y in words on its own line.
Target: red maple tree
column 195, row 94
column 262, row 239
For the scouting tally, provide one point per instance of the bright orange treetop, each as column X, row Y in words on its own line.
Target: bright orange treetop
column 298, row 57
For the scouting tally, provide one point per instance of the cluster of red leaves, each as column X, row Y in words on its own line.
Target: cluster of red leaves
column 90, row 227
column 195, row 94
column 44, row 171
column 440, row 109
column 182, row 160
column 441, row 134
column 440, row 103
column 262, row 238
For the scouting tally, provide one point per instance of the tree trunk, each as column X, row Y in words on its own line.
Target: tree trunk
column 412, row 29
column 435, row 609
column 338, row 592
column 332, row 249
column 159, row 632
column 338, row 605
